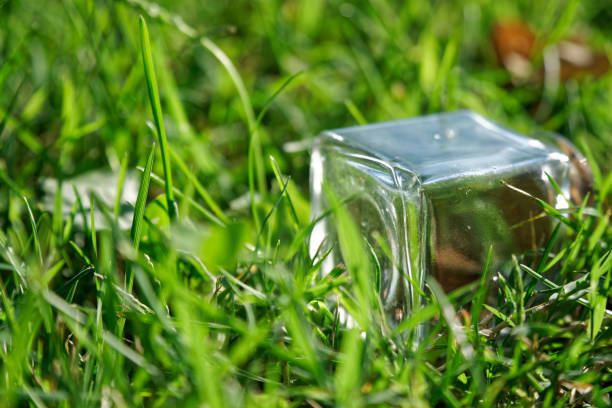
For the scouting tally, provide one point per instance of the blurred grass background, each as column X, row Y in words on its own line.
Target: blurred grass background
column 224, row 311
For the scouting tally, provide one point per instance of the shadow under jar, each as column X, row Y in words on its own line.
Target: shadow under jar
column 431, row 195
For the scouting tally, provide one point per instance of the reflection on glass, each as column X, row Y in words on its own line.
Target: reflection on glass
column 430, row 196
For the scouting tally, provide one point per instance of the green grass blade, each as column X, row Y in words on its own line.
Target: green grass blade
column 11, row 105
column 500, row 315
column 198, row 187
column 355, row 112
column 141, row 200
column 279, row 180
column 120, row 182
column 520, row 292
column 272, row 210
column 356, row 258
column 9, row 310
column 448, row 313
column 203, row 211
column 34, row 231
column 347, row 379
column 272, row 97
column 257, row 175
column 139, row 210
column 92, row 220
column 257, row 164
column 598, row 298
column 152, row 87
column 57, row 220
column 548, row 248
column 481, row 295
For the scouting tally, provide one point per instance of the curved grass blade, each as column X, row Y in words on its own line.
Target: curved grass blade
column 256, row 162
column 206, row 213
column 272, row 97
column 198, row 186
column 547, row 207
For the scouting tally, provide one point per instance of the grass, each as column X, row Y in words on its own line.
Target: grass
column 207, row 295
column 147, row 59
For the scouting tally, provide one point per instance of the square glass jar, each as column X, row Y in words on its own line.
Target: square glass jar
column 430, row 195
